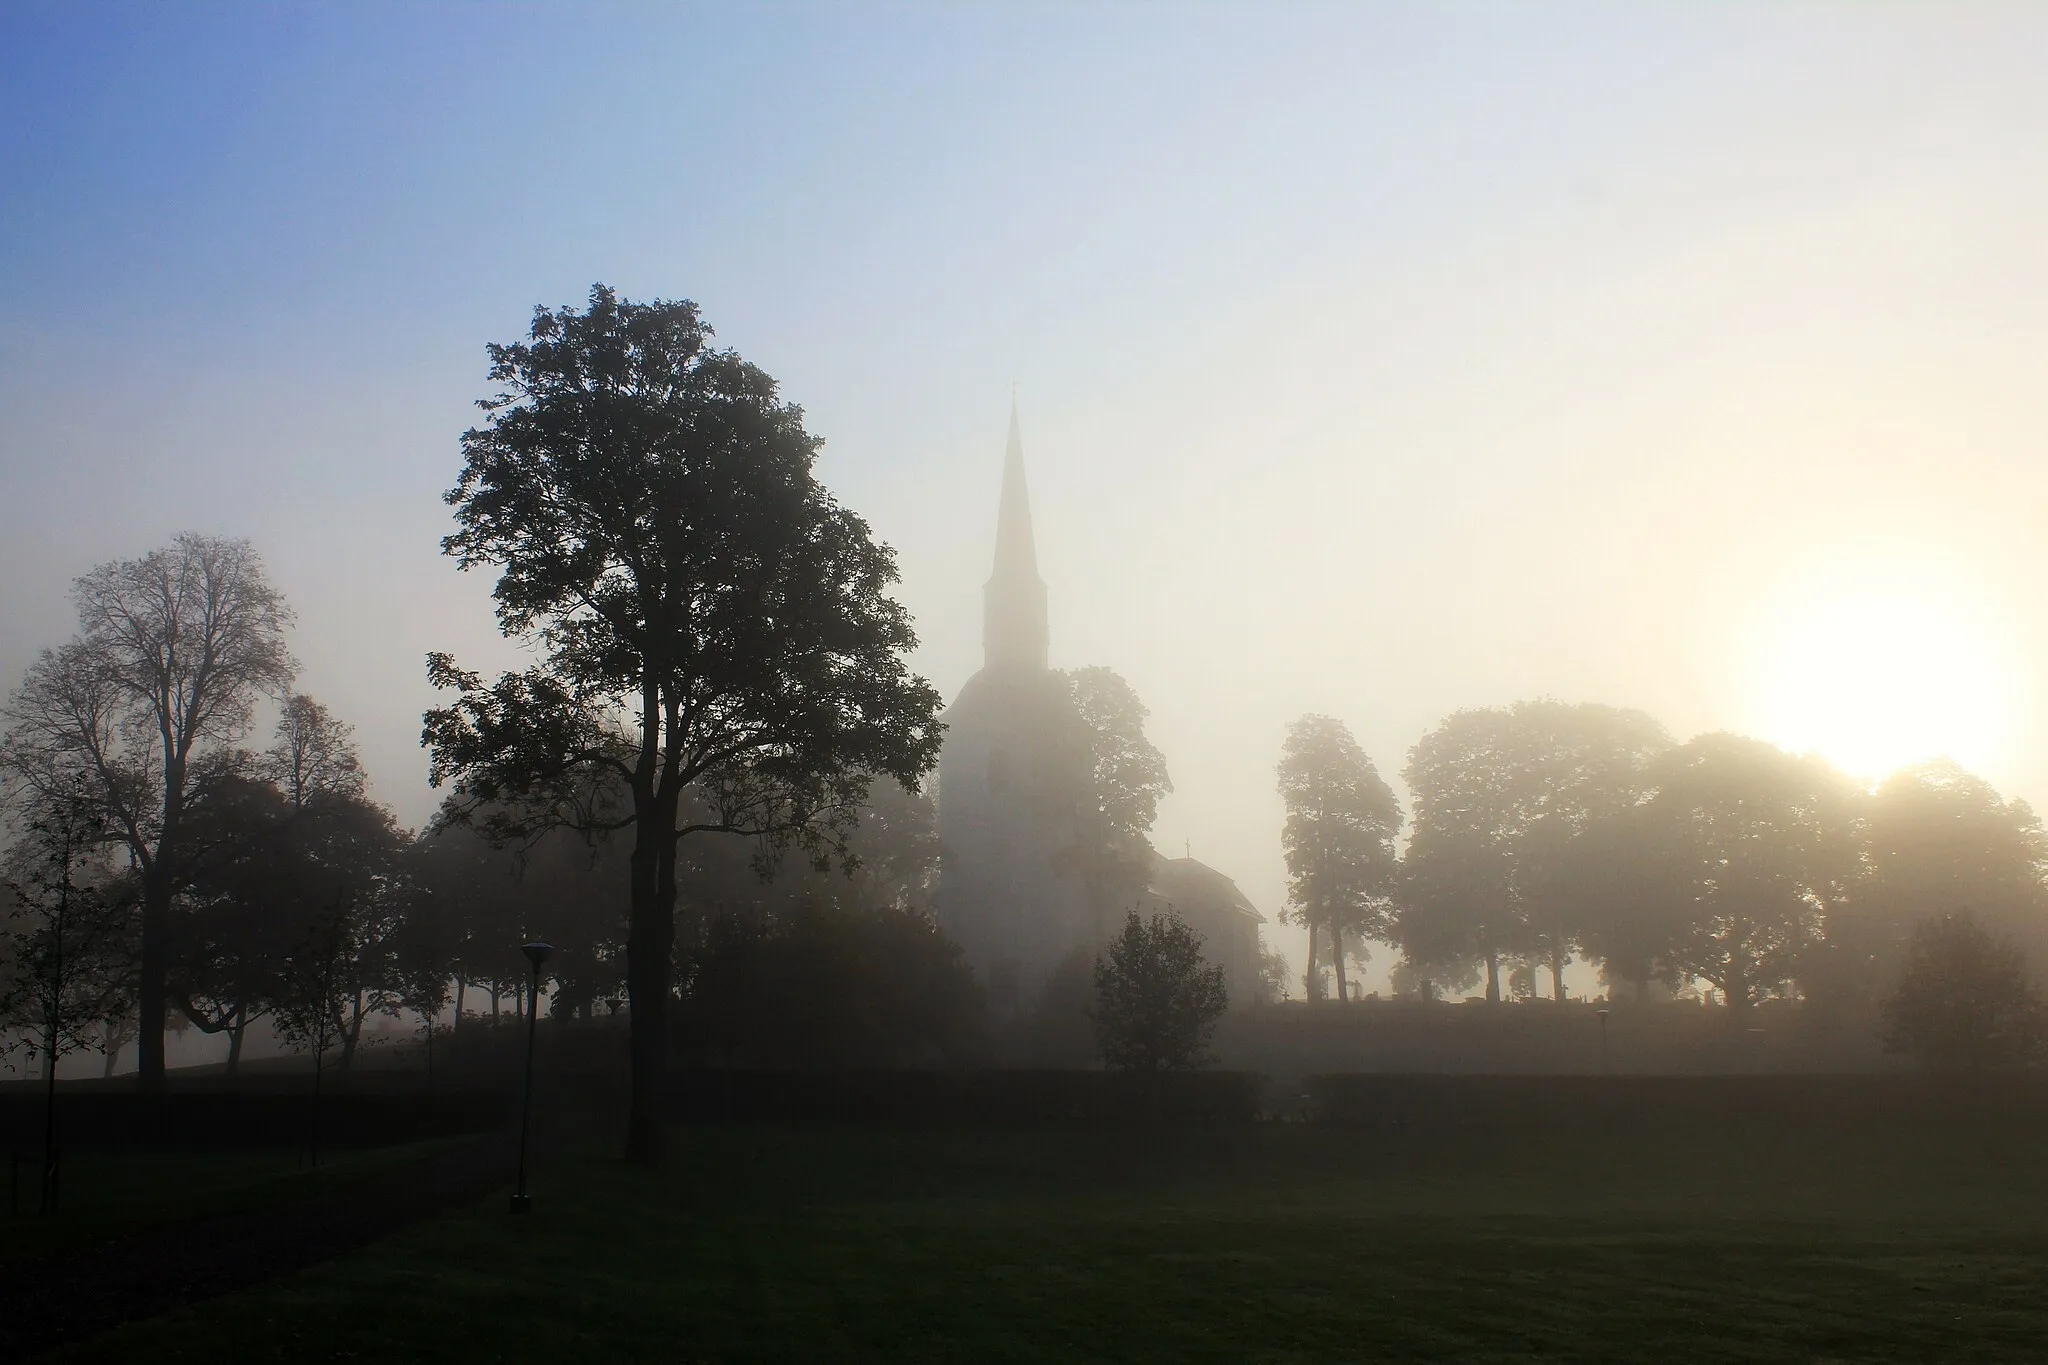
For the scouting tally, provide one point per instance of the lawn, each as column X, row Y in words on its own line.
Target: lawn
column 110, row 1194
column 1275, row 1242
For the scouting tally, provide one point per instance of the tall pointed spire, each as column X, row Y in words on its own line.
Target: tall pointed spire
column 1013, row 627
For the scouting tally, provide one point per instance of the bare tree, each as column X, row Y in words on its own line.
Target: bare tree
column 313, row 754
column 173, row 651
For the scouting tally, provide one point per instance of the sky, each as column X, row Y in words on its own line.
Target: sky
column 1376, row 361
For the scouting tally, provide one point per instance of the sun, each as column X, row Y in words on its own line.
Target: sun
column 1875, row 666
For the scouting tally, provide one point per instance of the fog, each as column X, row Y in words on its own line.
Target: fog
column 1376, row 362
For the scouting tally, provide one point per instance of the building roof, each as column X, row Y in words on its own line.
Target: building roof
column 1197, row 886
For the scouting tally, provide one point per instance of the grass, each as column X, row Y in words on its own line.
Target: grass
column 108, row 1194
column 1278, row 1242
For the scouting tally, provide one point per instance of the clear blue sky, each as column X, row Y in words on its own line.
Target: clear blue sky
column 1374, row 360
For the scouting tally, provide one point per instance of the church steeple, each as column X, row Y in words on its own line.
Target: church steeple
column 1013, row 630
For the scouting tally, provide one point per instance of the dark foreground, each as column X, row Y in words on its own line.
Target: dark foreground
column 1753, row 1241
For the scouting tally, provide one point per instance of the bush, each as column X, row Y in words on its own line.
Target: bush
column 822, row 985
column 1157, row 999
column 1964, row 1002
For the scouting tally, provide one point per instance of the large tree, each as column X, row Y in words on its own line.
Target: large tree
column 1752, row 848
column 1615, row 879
column 1342, row 819
column 1498, row 797
column 1127, row 776
column 717, row 650
column 1939, row 840
column 174, row 649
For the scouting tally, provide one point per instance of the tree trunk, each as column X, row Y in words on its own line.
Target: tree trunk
column 1557, row 975
column 236, row 1029
column 152, row 1002
column 1492, row 977
column 497, row 999
column 349, row 1036
column 1736, row 990
column 460, row 984
column 1337, row 958
column 1311, row 982
column 650, row 943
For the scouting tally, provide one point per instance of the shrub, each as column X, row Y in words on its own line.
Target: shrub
column 1964, row 1002
column 825, row 985
column 1157, row 999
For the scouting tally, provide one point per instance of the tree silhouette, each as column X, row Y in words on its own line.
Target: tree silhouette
column 1499, row 795
column 64, row 971
column 1157, row 999
column 1753, row 845
column 1128, row 776
column 312, row 753
column 172, row 653
column 710, row 622
column 1964, row 1002
column 237, row 908
column 1342, row 820
column 1615, row 877
column 1939, row 840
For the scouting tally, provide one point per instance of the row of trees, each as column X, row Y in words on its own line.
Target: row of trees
column 715, row 652
column 1545, row 832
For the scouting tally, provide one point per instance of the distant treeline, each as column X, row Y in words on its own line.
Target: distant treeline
column 1545, row 832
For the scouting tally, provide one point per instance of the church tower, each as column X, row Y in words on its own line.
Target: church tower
column 1013, row 633
column 1011, row 777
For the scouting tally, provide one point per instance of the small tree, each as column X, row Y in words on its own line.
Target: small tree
column 312, row 996
column 1157, row 999
column 1964, row 1002
column 65, row 944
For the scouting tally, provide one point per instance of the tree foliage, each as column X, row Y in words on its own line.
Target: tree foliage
column 1126, row 776
column 67, row 950
column 172, row 653
column 1940, row 840
column 1498, row 797
column 709, row 620
column 1157, row 999
column 1964, row 1001
column 820, row 984
column 1342, row 820
column 1753, row 845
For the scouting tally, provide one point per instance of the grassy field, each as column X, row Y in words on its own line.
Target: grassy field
column 1278, row 1242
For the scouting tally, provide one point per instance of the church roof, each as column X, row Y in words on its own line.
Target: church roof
column 1186, row 882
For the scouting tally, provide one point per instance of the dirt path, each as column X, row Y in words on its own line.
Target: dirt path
column 70, row 1298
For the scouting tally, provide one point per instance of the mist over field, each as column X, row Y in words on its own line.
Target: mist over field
column 1375, row 362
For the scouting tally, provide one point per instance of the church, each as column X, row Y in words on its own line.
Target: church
column 1010, row 778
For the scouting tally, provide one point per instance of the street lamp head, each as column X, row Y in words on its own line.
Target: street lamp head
column 537, row 952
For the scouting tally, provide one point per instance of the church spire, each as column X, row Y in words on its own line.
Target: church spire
column 1013, row 631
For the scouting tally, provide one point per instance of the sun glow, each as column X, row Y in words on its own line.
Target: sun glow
column 1876, row 666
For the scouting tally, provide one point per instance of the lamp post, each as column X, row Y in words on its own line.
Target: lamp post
column 536, row 953
column 1601, row 1015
